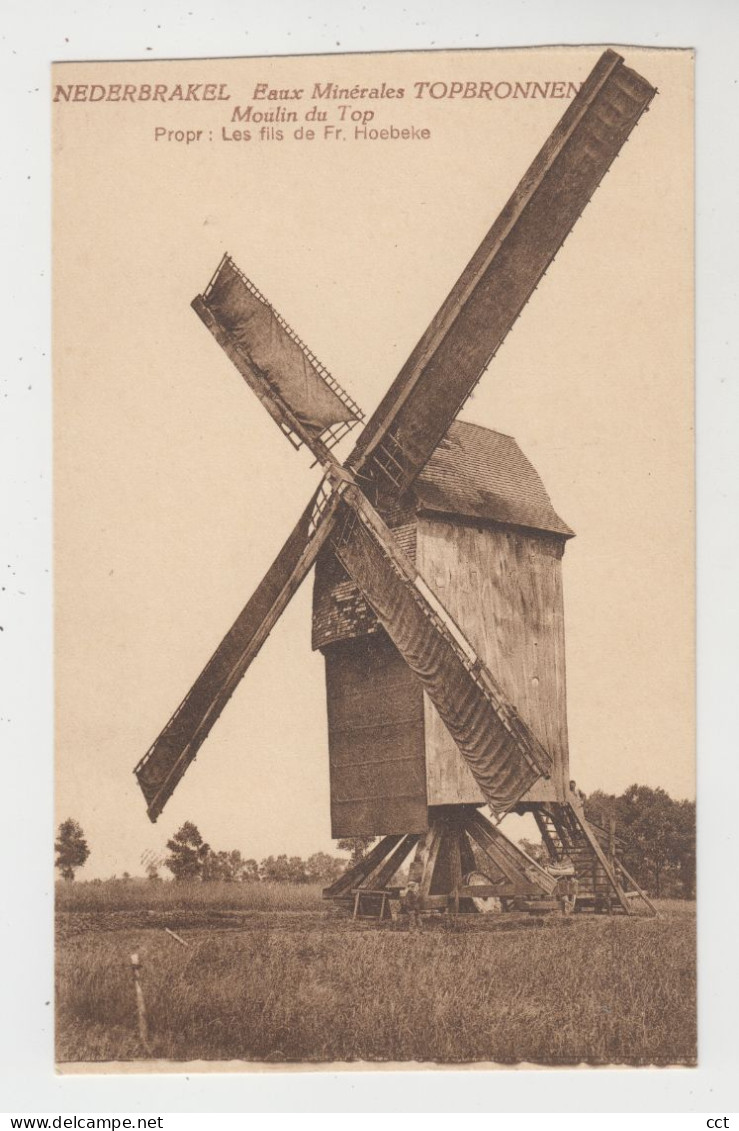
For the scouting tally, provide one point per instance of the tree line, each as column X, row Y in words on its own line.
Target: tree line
column 655, row 838
column 657, row 835
column 190, row 858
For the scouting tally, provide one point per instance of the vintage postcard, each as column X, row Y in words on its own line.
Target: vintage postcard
column 374, row 560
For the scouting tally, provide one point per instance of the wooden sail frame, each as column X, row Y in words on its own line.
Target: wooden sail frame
column 394, row 447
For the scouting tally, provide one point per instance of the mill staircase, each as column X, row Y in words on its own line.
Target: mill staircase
column 603, row 882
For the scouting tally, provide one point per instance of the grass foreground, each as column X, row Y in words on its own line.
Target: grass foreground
column 278, row 976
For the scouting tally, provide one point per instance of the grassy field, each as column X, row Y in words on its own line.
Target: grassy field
column 273, row 975
column 142, row 895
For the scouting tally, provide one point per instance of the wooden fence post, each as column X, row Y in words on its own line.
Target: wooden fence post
column 140, row 1005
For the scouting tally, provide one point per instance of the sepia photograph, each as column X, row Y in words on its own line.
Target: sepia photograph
column 374, row 561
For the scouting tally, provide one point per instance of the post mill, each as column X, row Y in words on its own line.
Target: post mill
column 438, row 592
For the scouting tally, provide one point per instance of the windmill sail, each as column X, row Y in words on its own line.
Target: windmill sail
column 166, row 761
column 299, row 392
column 497, row 283
column 503, row 755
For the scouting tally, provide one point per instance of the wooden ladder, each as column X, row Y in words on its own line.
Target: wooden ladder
column 603, row 881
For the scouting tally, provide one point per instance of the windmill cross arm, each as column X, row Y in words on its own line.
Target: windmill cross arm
column 162, row 767
column 503, row 754
column 491, row 292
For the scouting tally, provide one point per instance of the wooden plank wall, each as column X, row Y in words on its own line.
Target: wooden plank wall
column 504, row 588
column 376, row 739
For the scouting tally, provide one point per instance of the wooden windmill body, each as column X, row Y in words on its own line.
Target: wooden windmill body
column 482, row 531
column 438, row 593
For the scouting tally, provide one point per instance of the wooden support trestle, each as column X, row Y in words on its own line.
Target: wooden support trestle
column 459, row 861
column 463, row 860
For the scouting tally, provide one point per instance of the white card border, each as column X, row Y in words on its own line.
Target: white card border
column 35, row 35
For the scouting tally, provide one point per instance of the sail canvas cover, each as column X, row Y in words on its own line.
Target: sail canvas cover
column 274, row 352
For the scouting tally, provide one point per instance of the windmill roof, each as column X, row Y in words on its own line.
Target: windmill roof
column 479, row 473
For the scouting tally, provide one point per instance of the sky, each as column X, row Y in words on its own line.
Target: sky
column 174, row 489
